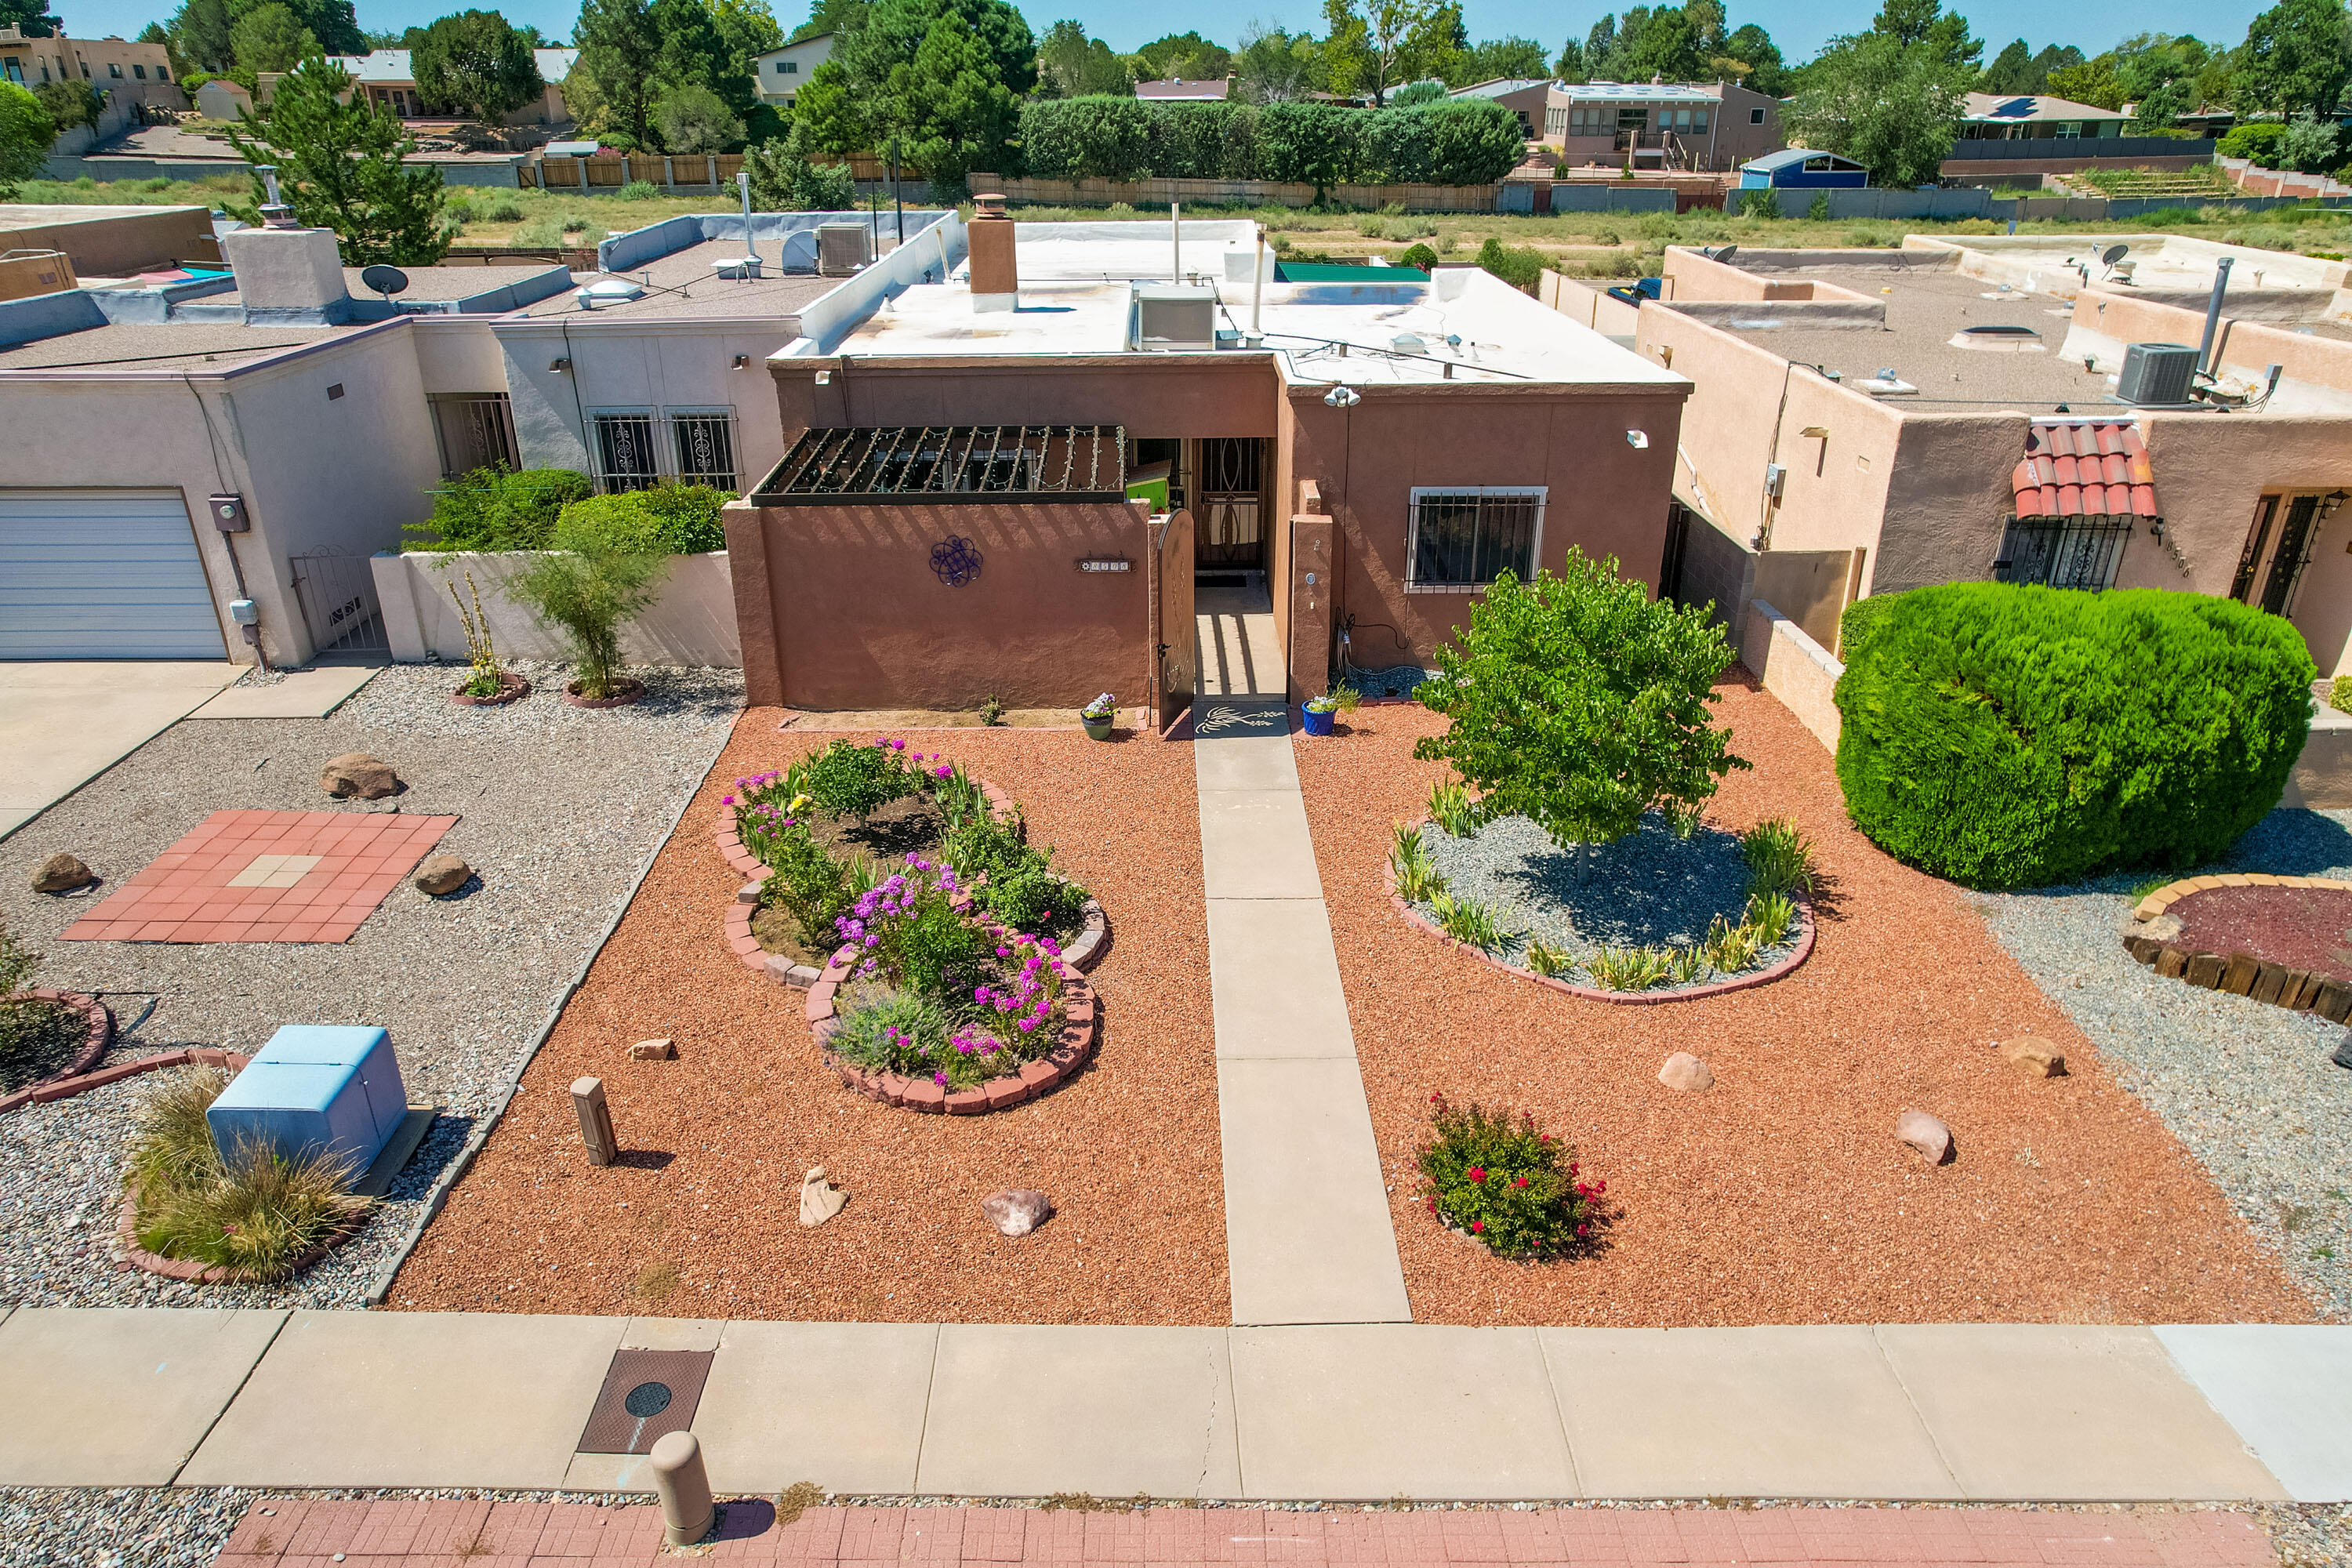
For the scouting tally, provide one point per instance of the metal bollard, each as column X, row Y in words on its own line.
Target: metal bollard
column 684, row 1488
column 596, row 1121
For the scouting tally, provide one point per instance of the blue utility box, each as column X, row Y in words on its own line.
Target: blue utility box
column 315, row 1087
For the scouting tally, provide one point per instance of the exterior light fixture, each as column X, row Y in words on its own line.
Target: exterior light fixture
column 1638, row 439
column 560, row 363
column 742, row 360
column 1342, row 397
column 2331, row 500
column 1818, row 431
column 824, row 378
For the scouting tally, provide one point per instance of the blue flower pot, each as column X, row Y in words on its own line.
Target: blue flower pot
column 1318, row 724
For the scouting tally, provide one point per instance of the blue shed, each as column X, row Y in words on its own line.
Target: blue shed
column 1803, row 169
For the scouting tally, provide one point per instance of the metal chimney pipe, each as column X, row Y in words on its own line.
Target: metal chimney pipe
column 1175, row 246
column 1257, row 291
column 2213, row 314
column 744, row 184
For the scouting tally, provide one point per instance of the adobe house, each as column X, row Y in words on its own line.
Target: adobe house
column 1365, row 450
column 1641, row 125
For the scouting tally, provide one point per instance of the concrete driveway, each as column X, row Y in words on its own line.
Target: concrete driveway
column 63, row 723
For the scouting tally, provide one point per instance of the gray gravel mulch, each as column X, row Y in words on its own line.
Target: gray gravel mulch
column 558, row 807
column 2247, row 1086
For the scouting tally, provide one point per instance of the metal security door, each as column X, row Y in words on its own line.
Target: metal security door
column 1231, row 530
column 337, row 593
column 2294, row 554
column 1178, row 653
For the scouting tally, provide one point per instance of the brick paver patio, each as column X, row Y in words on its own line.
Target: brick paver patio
column 477, row 1534
column 266, row 876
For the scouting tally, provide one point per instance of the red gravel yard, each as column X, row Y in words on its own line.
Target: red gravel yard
column 2300, row 928
column 1781, row 1196
column 701, row 1218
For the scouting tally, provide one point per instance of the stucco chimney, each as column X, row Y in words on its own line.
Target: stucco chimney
column 289, row 276
column 995, row 273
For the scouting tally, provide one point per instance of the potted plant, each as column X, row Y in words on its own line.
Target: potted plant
column 1322, row 711
column 1097, row 716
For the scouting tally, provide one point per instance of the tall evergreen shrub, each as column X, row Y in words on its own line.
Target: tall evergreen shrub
column 2011, row 736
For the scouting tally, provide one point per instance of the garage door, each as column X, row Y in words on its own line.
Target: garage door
column 102, row 574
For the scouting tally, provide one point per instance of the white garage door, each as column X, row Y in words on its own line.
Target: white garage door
column 102, row 574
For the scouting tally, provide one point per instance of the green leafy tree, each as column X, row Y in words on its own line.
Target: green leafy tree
column 1751, row 58
column 784, row 179
column 199, row 38
column 1581, row 702
column 1372, row 45
column 2298, row 55
column 1187, row 56
column 949, row 111
column 269, row 38
column 1276, row 67
column 339, row 167
column 474, row 61
column 25, row 132
column 828, row 109
column 71, row 103
column 693, row 119
column 694, row 53
column 596, row 580
column 1569, row 65
column 1893, row 107
column 750, row 29
column 1072, row 65
column 2018, row 70
column 33, row 19
column 1309, row 143
column 831, row 17
column 621, row 55
column 2093, row 82
column 1497, row 59
column 894, row 32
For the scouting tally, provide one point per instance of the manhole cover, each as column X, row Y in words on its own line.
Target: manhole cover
column 646, row 1394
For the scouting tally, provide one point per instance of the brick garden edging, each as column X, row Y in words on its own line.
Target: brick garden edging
column 1797, row 955
column 730, row 843
column 512, row 688
column 2240, row 973
column 1080, row 1010
column 194, row 1273
column 100, row 1021
column 67, row 1088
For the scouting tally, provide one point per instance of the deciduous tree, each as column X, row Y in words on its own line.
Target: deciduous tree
column 1894, row 108
column 269, row 38
column 2298, row 55
column 1072, row 65
column 474, row 61
column 693, row 119
column 25, row 132
column 620, row 51
column 1274, row 66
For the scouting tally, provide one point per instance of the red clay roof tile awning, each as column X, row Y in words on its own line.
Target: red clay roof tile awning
column 2096, row 467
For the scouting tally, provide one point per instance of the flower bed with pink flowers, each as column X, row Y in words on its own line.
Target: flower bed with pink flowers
column 1513, row 1189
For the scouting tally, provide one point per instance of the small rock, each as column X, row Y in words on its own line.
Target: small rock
column 2163, row 928
column 1687, row 1072
column 356, row 773
column 1925, row 1134
column 61, row 874
column 442, row 874
column 653, row 1051
column 2036, row 1057
column 2343, row 1057
column 820, row 1199
column 1017, row 1211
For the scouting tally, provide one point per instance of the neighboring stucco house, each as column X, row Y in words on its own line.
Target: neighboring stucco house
column 1642, row 125
column 783, row 72
column 115, row 66
column 385, row 79
column 1177, row 91
column 1993, row 117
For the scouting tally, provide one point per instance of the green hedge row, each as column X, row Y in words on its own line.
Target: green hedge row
column 1472, row 142
column 2009, row 736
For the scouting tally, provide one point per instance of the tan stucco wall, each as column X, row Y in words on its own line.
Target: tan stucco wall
column 1795, row 668
column 1587, row 306
column 112, row 245
column 458, row 353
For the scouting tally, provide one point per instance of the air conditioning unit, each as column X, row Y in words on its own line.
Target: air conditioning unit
column 2156, row 375
column 842, row 249
column 1175, row 317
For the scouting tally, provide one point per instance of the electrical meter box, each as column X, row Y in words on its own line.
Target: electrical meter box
column 315, row 1087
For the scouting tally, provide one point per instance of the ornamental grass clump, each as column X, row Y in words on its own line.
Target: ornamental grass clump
column 1480, row 925
column 251, row 1209
column 1418, row 880
column 1451, row 807
column 1779, row 857
column 1512, row 1187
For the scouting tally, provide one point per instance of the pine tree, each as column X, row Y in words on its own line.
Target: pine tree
column 339, row 167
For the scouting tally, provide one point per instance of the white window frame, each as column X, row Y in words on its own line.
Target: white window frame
column 1756, row 117
column 1413, row 532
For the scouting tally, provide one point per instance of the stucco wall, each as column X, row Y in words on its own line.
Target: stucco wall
column 1793, row 668
column 115, row 244
column 1153, row 400
column 690, row 622
column 1587, row 306
column 839, row 607
column 458, row 353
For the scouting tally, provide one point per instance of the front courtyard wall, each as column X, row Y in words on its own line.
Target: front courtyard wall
column 838, row 607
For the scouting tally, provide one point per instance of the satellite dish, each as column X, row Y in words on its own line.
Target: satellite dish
column 2113, row 254
column 386, row 281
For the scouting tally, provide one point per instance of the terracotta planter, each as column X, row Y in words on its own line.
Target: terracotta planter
column 512, row 688
column 630, row 691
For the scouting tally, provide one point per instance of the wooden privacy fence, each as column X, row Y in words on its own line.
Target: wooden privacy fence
column 1238, row 193
column 698, row 170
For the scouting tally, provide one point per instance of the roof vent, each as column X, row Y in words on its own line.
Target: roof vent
column 609, row 291
column 1176, row 318
column 1997, row 340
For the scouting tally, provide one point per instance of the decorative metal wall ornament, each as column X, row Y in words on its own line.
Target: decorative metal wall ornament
column 955, row 560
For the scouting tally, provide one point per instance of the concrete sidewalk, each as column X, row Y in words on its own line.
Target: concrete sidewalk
column 63, row 722
column 1365, row 1412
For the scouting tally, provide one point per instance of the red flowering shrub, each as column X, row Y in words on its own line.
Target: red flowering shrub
column 1514, row 1188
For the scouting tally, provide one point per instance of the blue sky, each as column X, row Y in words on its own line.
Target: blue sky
column 1797, row 26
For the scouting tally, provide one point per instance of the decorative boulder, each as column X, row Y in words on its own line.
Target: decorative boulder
column 61, row 874
column 2343, row 1057
column 355, row 774
column 2033, row 1057
column 820, row 1199
column 1687, row 1072
column 1925, row 1134
column 653, row 1051
column 442, row 874
column 1017, row 1211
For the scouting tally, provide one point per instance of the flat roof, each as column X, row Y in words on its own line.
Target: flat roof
column 1074, row 300
column 1925, row 307
column 38, row 214
column 683, row 285
column 164, row 346
column 448, row 283
column 1643, row 91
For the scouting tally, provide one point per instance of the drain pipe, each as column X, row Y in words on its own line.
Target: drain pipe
column 750, row 250
column 2214, row 315
column 1257, row 293
column 1175, row 246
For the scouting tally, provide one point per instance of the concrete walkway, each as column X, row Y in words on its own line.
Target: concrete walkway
column 64, row 722
column 438, row 1534
column 1307, row 1236
column 1977, row 1413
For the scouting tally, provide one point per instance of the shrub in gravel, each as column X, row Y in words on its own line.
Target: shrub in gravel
column 1779, row 857
column 847, row 779
column 2003, row 735
column 499, row 508
column 1021, row 888
column 249, row 1209
column 587, row 592
column 2339, row 694
column 811, row 886
column 1511, row 1186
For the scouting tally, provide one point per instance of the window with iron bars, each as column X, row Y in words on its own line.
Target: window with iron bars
column 705, row 441
column 1467, row 538
column 2061, row 552
column 626, row 459
column 474, row 430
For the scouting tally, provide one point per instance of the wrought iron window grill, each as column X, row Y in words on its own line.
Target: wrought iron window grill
column 950, row 463
column 705, row 449
column 625, row 452
column 2061, row 552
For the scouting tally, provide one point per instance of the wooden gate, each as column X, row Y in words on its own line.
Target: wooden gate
column 1177, row 654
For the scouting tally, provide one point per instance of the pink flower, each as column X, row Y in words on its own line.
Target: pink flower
column 898, row 745
column 944, row 771
column 1477, row 1224
column 727, row 800
column 939, row 1077
column 1477, row 1173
